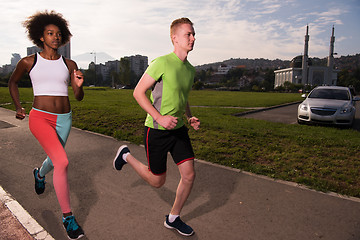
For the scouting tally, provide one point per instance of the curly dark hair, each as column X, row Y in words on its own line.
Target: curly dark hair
column 35, row 26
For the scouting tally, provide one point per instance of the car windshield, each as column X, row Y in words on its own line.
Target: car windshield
column 337, row 94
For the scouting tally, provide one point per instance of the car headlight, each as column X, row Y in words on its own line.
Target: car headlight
column 346, row 110
column 303, row 107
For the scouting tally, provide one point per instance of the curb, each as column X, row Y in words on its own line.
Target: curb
column 25, row 219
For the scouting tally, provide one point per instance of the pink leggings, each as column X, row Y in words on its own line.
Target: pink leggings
column 52, row 131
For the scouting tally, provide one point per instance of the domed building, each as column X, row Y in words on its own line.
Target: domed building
column 302, row 71
column 296, row 62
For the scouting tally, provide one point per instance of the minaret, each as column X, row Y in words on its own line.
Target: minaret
column 330, row 62
column 329, row 80
column 305, row 58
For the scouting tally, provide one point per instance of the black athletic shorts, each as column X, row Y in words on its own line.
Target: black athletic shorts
column 159, row 142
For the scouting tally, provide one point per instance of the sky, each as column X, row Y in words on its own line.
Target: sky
column 271, row 29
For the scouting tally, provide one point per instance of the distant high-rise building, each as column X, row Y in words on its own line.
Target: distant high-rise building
column 63, row 50
column 138, row 64
column 7, row 68
column 15, row 59
column 32, row 50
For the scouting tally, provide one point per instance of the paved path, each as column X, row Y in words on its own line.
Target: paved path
column 225, row 203
column 287, row 113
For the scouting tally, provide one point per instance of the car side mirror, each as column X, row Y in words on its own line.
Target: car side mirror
column 303, row 95
column 356, row 98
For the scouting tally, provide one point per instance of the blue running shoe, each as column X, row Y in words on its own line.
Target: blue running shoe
column 39, row 182
column 73, row 229
column 179, row 226
column 119, row 161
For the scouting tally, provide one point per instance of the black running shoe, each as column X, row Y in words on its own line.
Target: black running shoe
column 118, row 160
column 39, row 182
column 179, row 226
column 72, row 228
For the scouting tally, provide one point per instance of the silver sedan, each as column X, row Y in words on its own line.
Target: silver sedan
column 328, row 105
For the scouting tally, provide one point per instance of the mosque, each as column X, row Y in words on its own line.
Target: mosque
column 302, row 72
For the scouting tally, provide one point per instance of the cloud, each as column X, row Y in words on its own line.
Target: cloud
column 224, row 28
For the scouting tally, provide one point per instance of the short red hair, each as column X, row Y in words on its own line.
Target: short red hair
column 176, row 23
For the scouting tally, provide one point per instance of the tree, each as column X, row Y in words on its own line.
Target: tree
column 255, row 88
column 235, row 73
column 115, row 79
column 89, row 77
column 125, row 72
column 350, row 78
column 127, row 77
column 198, row 85
column 269, row 79
column 23, row 82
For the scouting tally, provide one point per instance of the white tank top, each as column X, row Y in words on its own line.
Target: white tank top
column 49, row 77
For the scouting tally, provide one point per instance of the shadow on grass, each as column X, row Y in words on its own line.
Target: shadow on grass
column 356, row 125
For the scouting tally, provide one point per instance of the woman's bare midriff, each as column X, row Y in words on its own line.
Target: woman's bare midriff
column 53, row 104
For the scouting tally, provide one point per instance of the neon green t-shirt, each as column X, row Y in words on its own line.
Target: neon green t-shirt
column 174, row 79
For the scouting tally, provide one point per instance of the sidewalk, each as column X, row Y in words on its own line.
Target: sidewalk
column 10, row 228
column 16, row 223
column 225, row 203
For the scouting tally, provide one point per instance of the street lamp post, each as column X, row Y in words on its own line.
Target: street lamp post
column 94, row 53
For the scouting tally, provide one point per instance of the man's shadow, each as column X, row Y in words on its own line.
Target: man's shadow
column 212, row 189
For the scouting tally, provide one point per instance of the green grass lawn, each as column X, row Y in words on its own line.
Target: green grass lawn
column 323, row 158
